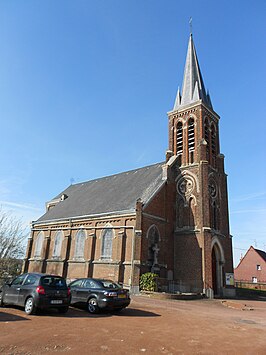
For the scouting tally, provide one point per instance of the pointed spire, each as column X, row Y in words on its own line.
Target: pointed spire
column 193, row 87
column 177, row 100
column 209, row 99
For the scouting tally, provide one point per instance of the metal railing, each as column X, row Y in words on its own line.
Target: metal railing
column 251, row 285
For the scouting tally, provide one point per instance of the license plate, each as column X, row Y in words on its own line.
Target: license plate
column 56, row 301
column 121, row 296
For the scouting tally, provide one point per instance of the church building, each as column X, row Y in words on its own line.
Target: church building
column 170, row 218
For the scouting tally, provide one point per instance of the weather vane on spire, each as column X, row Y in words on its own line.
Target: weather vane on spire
column 190, row 24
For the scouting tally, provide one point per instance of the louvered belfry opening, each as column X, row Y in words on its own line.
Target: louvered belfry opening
column 191, row 140
column 206, row 137
column 179, row 141
column 213, row 144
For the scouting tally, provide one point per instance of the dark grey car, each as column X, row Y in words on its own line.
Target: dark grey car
column 35, row 291
column 98, row 294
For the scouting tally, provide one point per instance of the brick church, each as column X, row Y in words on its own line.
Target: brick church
column 170, row 218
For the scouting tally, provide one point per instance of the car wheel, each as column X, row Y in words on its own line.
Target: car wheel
column 29, row 306
column 93, row 306
column 1, row 300
column 62, row 310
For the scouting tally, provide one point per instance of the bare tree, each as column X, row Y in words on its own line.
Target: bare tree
column 12, row 242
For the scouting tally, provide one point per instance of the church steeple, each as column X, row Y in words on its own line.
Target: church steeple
column 193, row 87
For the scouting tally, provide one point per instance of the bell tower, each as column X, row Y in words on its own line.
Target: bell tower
column 202, row 243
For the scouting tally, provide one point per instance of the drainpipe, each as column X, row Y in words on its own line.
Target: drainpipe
column 136, row 250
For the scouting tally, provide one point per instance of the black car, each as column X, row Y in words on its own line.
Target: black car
column 35, row 291
column 98, row 294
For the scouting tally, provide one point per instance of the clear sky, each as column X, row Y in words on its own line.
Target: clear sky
column 85, row 87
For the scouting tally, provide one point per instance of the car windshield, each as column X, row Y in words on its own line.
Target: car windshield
column 109, row 284
column 53, row 281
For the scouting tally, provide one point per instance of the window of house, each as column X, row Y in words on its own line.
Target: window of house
column 258, row 267
column 80, row 244
column 254, row 279
column 58, row 244
column 107, row 243
column 38, row 245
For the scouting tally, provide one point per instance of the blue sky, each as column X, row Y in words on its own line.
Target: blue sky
column 85, row 87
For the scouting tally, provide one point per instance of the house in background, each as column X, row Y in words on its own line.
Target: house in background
column 252, row 267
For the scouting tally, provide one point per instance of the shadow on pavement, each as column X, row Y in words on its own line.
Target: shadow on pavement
column 132, row 312
column 8, row 317
column 83, row 313
column 78, row 313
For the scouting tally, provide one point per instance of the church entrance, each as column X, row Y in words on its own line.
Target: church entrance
column 217, row 270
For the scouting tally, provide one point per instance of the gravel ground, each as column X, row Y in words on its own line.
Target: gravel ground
column 147, row 326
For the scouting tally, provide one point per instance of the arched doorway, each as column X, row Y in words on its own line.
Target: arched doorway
column 217, row 267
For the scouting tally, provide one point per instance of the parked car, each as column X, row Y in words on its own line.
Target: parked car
column 98, row 294
column 35, row 291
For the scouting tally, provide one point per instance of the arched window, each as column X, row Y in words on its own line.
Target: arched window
column 80, row 244
column 213, row 143
column 191, row 139
column 58, row 244
column 214, row 216
column 153, row 242
column 38, row 245
column 107, row 242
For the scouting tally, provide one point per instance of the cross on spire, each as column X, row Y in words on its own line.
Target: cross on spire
column 190, row 25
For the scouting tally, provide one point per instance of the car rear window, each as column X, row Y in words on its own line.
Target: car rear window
column 53, row 281
column 109, row 284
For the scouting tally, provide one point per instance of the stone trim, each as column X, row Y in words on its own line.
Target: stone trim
column 107, row 262
column 186, row 231
column 154, row 217
column 86, row 217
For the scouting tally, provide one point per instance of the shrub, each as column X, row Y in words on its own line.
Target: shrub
column 148, row 281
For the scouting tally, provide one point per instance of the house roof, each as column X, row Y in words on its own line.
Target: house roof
column 115, row 193
column 261, row 253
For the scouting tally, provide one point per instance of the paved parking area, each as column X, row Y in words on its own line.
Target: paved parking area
column 148, row 326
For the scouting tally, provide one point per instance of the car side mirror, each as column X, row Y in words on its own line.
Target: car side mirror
column 8, row 281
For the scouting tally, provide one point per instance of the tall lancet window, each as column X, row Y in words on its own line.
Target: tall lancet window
column 153, row 236
column 179, row 141
column 80, row 244
column 191, row 140
column 207, row 138
column 107, row 242
column 38, row 245
column 58, row 244
column 213, row 144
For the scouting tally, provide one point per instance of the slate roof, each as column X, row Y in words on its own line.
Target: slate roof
column 109, row 194
column 261, row 253
column 193, row 88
